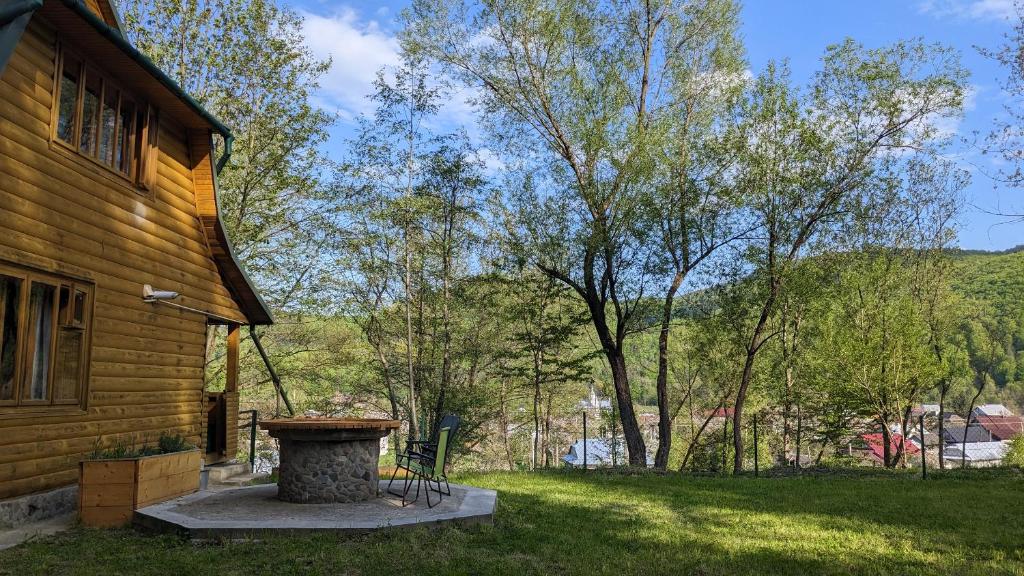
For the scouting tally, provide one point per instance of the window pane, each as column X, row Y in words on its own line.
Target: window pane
column 10, row 292
column 108, row 127
column 68, row 100
column 90, row 114
column 68, row 369
column 125, row 144
column 79, row 309
column 40, row 309
column 64, row 305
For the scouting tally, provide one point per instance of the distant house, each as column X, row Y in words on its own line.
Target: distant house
column 978, row 454
column 595, row 402
column 871, row 447
column 997, row 410
column 952, row 418
column 931, row 439
column 1002, row 427
column 954, row 434
column 598, row 454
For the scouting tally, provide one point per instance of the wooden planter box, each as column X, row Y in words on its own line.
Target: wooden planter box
column 110, row 490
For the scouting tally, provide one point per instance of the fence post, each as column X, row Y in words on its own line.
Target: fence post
column 252, row 441
column 924, row 450
column 725, row 440
column 756, row 469
column 799, row 429
column 584, row 439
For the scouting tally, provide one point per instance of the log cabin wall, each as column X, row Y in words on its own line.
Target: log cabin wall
column 66, row 215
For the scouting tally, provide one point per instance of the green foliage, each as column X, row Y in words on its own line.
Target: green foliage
column 1015, row 455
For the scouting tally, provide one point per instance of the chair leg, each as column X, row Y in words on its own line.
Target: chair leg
column 429, row 503
column 392, row 481
column 440, row 493
column 405, row 493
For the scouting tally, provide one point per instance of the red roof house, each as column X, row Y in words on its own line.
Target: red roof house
column 876, row 447
column 1002, row 427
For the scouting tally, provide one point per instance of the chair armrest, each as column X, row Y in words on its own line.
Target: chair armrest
column 421, row 456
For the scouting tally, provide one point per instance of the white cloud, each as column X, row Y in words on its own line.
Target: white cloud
column 358, row 49
column 970, row 9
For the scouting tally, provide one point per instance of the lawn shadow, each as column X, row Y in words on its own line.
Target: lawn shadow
column 747, row 525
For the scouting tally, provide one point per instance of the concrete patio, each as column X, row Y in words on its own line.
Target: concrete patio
column 255, row 511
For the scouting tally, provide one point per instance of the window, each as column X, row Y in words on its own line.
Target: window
column 44, row 326
column 102, row 122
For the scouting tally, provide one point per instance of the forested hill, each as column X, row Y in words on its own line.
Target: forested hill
column 993, row 277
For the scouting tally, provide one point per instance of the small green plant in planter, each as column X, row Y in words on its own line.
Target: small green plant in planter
column 116, row 481
column 166, row 444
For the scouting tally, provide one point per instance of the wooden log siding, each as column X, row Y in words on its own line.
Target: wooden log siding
column 66, row 215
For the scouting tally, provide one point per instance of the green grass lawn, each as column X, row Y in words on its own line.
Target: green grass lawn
column 569, row 523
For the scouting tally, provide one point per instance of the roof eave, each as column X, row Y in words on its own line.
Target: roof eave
column 122, row 43
column 263, row 315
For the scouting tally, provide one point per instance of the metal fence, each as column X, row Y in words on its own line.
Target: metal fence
column 712, row 451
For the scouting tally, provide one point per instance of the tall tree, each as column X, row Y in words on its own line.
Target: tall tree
column 389, row 153
column 691, row 200
column 814, row 160
column 585, row 91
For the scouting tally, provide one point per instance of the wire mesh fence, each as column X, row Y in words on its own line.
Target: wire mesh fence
column 777, row 444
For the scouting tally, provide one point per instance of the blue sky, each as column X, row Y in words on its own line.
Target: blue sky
column 359, row 36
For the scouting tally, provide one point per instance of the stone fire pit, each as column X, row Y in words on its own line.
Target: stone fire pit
column 328, row 459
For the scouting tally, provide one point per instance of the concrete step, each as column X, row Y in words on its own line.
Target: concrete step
column 241, row 480
column 221, row 472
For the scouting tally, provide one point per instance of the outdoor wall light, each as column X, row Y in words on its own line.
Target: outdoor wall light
column 150, row 295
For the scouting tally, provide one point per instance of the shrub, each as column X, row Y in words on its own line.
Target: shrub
column 1015, row 455
column 176, row 443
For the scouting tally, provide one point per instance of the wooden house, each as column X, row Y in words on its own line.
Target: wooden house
column 108, row 183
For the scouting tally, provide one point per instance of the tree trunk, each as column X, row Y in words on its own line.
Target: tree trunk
column 737, row 415
column 414, row 427
column 664, row 413
column 536, row 408
column 546, row 447
column 970, row 415
column 943, row 389
column 446, row 282
column 624, row 401
column 887, row 459
column 748, row 373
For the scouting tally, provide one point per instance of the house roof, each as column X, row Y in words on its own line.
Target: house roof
column 598, row 453
column 107, row 11
column 930, row 438
column 1002, row 428
column 992, row 410
column 876, row 445
column 84, row 27
column 977, row 451
column 954, row 434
